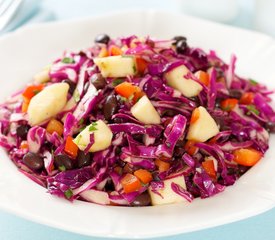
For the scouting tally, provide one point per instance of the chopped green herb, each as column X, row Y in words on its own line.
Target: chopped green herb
column 139, row 98
column 78, row 138
column 117, row 82
column 68, row 60
column 227, row 108
column 68, row 193
column 76, row 96
column 81, row 121
column 252, row 109
column 131, row 97
column 134, row 68
column 82, row 128
column 126, row 56
column 35, row 91
column 253, row 82
column 123, row 99
column 168, row 144
column 93, row 128
column 62, row 168
column 144, row 184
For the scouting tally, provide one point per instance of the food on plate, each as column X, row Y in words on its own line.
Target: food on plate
column 136, row 121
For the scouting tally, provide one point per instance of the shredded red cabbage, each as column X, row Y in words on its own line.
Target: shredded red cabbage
column 163, row 149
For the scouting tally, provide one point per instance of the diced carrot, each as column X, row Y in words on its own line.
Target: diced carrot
column 247, row 156
column 24, row 145
column 25, row 105
column 209, row 167
column 143, row 175
column 213, row 140
column 30, row 91
column 141, row 64
column 203, row 77
column 127, row 89
column 70, row 147
column 190, row 147
column 103, row 52
column 195, row 115
column 115, row 51
column 229, row 104
column 247, row 98
column 55, row 126
column 162, row 165
column 130, row 183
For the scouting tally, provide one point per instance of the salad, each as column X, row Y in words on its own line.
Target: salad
column 137, row 122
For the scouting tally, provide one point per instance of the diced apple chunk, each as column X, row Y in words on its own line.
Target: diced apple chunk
column 47, row 103
column 96, row 196
column 42, row 76
column 116, row 66
column 145, row 112
column 168, row 196
column 177, row 80
column 203, row 127
column 102, row 137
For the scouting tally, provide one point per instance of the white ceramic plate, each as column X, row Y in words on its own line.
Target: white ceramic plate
column 26, row 51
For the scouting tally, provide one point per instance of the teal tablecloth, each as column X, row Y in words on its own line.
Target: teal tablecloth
column 15, row 228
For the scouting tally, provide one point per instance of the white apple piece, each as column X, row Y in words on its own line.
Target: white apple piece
column 96, row 196
column 47, row 103
column 177, row 80
column 203, row 127
column 145, row 112
column 116, row 66
column 102, row 137
column 42, row 76
column 167, row 193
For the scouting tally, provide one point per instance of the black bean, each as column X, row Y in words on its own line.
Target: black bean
column 110, row 107
column 270, row 127
column 169, row 113
column 22, row 131
column 235, row 93
column 83, row 159
column 181, row 46
column 156, row 176
column 109, row 186
column 71, row 84
column 98, row 81
column 63, row 160
column 33, row 161
column 102, row 38
column 143, row 199
column 179, row 38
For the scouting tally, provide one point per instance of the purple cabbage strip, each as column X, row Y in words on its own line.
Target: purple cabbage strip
column 86, row 104
column 36, row 138
column 212, row 93
column 91, row 182
column 69, row 125
column 173, row 132
column 182, row 192
column 90, row 144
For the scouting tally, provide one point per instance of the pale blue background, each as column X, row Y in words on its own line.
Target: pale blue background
column 15, row 228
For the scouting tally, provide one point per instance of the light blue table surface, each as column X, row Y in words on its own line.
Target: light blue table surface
column 16, row 228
